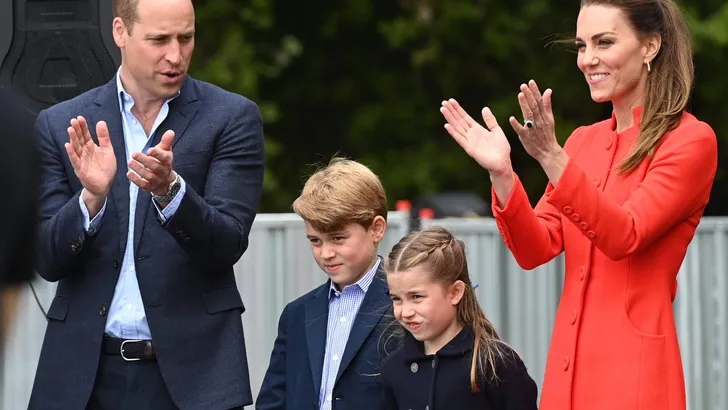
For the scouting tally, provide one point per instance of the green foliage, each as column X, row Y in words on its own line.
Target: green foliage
column 365, row 79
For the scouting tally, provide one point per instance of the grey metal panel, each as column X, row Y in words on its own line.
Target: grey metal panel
column 701, row 308
column 278, row 267
column 23, row 347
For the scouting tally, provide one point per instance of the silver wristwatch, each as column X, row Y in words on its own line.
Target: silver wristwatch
column 174, row 187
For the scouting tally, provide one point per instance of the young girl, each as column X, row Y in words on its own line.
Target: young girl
column 451, row 356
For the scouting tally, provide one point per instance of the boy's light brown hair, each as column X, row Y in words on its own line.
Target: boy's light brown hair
column 343, row 192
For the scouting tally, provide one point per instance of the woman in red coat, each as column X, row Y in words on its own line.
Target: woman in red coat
column 623, row 201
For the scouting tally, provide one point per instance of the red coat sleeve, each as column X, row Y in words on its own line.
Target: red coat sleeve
column 676, row 185
column 533, row 235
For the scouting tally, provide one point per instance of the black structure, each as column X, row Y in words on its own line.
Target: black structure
column 54, row 50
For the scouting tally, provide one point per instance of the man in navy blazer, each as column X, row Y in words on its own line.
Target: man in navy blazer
column 149, row 188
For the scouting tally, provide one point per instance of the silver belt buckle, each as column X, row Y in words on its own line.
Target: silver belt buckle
column 121, row 350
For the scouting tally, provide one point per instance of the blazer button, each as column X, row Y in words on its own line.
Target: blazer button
column 414, row 367
column 590, row 234
column 575, row 218
column 116, row 264
column 566, row 363
column 583, row 226
column 102, row 311
column 568, row 210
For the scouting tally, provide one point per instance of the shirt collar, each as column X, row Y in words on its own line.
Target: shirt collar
column 362, row 283
column 124, row 96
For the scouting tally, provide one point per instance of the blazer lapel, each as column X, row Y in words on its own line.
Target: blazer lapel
column 181, row 112
column 375, row 304
column 316, row 324
column 110, row 111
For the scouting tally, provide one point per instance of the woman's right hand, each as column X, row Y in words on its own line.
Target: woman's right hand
column 488, row 147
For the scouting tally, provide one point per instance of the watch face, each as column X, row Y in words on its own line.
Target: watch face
column 175, row 187
column 171, row 192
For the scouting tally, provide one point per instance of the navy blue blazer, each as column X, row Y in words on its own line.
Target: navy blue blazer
column 293, row 378
column 184, row 267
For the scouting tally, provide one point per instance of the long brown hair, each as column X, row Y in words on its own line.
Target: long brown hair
column 671, row 75
column 437, row 252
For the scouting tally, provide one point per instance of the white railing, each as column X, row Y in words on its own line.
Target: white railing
column 278, row 267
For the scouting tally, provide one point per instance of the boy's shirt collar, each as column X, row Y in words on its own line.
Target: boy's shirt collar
column 363, row 283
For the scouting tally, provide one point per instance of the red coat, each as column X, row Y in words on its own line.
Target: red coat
column 614, row 343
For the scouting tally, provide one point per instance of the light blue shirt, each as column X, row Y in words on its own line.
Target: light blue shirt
column 343, row 307
column 127, row 318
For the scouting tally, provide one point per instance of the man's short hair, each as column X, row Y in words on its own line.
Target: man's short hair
column 341, row 193
column 128, row 11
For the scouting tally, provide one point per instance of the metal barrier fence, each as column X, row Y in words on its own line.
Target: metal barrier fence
column 278, row 267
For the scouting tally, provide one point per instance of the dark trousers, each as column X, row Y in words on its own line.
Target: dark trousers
column 122, row 385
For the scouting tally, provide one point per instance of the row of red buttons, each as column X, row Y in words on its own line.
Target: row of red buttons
column 575, row 314
column 576, row 218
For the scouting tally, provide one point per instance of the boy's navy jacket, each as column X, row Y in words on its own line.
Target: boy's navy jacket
column 293, row 378
column 413, row 380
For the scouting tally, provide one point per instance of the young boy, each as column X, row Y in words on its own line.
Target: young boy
column 328, row 352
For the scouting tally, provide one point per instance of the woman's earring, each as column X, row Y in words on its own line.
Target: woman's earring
column 648, row 67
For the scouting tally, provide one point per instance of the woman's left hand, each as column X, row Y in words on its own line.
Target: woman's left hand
column 539, row 140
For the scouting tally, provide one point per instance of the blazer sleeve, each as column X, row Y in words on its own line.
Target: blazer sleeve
column 214, row 226
column 272, row 395
column 61, row 240
column 676, row 185
column 533, row 235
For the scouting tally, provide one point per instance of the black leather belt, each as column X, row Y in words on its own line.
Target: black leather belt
column 130, row 349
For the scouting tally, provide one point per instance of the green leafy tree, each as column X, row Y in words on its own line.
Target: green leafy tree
column 365, row 79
